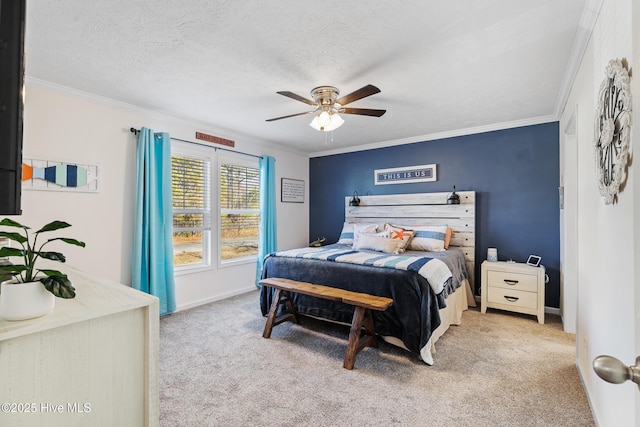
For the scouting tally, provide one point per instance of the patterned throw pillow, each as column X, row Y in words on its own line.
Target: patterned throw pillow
column 429, row 238
column 347, row 234
column 399, row 233
column 375, row 242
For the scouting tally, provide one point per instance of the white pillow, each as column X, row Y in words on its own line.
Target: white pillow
column 360, row 229
column 376, row 243
column 347, row 234
column 428, row 238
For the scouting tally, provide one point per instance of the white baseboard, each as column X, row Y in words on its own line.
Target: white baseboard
column 216, row 298
column 586, row 392
column 552, row 310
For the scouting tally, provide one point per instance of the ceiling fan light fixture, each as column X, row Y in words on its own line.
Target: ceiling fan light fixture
column 336, row 122
column 315, row 123
column 326, row 122
column 324, row 119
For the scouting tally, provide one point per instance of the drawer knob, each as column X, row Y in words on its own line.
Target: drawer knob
column 511, row 299
column 511, row 282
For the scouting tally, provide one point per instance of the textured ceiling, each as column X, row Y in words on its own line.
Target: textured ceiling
column 442, row 66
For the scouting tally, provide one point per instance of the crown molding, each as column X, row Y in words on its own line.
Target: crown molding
column 588, row 21
column 440, row 135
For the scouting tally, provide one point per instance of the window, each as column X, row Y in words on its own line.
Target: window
column 216, row 212
column 239, row 211
column 191, row 178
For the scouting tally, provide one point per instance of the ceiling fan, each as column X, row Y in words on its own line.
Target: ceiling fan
column 328, row 106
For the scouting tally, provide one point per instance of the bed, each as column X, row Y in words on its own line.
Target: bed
column 427, row 299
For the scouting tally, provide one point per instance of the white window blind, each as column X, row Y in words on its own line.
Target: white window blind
column 239, row 211
column 191, row 192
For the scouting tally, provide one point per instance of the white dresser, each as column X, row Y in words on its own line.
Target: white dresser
column 92, row 361
column 513, row 286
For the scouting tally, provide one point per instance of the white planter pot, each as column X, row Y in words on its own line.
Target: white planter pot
column 21, row 301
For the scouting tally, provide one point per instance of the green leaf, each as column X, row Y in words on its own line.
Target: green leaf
column 11, row 223
column 49, row 273
column 54, row 256
column 16, row 237
column 54, row 225
column 6, row 251
column 67, row 240
column 59, row 286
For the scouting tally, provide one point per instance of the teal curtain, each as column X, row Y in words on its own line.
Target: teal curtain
column 153, row 237
column 268, row 235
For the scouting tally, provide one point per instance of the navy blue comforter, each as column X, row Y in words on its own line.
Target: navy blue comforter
column 414, row 314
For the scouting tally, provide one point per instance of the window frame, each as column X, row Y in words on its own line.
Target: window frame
column 209, row 244
column 225, row 157
column 216, row 158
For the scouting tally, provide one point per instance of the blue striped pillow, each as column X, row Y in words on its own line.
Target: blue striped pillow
column 428, row 238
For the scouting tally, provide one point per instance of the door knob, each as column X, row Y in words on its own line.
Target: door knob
column 614, row 371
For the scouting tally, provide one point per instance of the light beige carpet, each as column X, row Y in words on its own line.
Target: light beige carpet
column 496, row 369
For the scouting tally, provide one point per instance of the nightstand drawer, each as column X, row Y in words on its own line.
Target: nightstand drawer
column 517, row 281
column 513, row 297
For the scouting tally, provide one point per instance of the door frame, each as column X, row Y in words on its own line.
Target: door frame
column 568, row 193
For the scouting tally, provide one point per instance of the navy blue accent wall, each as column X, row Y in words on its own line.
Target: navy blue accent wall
column 514, row 172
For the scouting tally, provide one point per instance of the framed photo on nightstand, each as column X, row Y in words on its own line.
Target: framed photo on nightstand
column 534, row 260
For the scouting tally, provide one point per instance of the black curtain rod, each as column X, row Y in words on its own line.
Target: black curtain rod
column 137, row 131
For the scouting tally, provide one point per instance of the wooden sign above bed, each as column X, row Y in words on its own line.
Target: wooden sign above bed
column 422, row 209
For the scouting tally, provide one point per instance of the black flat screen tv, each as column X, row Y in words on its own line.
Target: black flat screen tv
column 12, row 25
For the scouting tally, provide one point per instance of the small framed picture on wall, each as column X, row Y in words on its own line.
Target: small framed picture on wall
column 292, row 190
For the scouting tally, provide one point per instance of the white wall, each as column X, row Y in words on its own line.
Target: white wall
column 635, row 142
column 69, row 126
column 606, row 244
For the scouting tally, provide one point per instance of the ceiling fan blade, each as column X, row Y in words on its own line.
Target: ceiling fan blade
column 290, row 115
column 296, row 97
column 363, row 92
column 363, row 111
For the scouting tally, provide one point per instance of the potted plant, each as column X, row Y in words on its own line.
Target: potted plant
column 31, row 291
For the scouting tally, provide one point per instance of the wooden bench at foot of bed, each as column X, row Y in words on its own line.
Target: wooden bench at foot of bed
column 362, row 318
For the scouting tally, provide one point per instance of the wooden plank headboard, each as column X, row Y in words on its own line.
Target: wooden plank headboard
column 422, row 209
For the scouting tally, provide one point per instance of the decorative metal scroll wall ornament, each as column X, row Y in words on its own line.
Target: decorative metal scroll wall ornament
column 612, row 130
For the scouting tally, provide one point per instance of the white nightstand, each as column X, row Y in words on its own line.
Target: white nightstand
column 513, row 286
